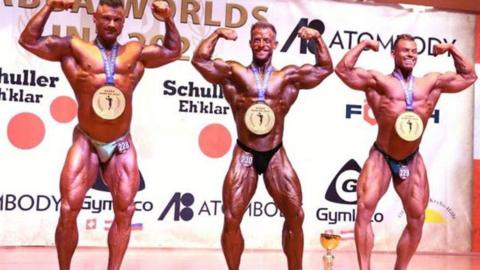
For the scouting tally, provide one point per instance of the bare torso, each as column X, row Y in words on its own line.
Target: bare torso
column 86, row 73
column 388, row 102
column 241, row 92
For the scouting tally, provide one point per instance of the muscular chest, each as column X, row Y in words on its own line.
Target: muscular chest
column 250, row 90
column 90, row 67
column 391, row 101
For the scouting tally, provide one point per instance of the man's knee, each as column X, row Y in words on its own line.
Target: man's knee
column 364, row 211
column 68, row 212
column 123, row 216
column 416, row 215
column 295, row 219
column 232, row 222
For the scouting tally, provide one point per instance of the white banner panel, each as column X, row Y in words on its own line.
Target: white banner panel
column 184, row 132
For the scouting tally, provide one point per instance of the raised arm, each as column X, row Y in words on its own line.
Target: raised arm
column 308, row 76
column 356, row 78
column 154, row 55
column 452, row 82
column 51, row 48
column 214, row 71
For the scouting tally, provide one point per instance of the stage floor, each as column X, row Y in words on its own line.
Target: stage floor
column 42, row 258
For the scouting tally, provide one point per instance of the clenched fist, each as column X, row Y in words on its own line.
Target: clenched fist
column 441, row 48
column 161, row 9
column 60, row 4
column 226, row 33
column 308, row 33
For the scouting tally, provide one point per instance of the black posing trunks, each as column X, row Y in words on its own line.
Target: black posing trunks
column 393, row 163
column 260, row 158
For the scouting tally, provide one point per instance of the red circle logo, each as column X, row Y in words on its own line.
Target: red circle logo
column 63, row 109
column 25, row 130
column 215, row 140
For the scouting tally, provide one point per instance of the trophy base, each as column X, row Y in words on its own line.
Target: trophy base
column 328, row 261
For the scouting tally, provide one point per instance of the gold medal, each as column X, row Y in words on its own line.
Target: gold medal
column 409, row 126
column 259, row 118
column 108, row 102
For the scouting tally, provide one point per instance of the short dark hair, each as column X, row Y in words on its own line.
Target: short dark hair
column 404, row 37
column 262, row 25
column 111, row 3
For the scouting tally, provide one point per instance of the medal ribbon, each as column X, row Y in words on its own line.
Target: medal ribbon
column 262, row 86
column 407, row 88
column 108, row 62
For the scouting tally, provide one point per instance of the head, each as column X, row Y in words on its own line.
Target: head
column 263, row 40
column 109, row 18
column 404, row 52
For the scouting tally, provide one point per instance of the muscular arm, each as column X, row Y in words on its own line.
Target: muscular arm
column 214, row 71
column 356, row 78
column 155, row 56
column 465, row 76
column 50, row 48
column 308, row 76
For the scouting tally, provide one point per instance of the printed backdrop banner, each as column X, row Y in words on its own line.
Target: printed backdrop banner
column 184, row 132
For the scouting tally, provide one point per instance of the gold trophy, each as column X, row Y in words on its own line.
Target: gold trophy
column 329, row 242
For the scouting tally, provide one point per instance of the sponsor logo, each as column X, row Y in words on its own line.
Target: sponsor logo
column 333, row 216
column 353, row 110
column 137, row 226
column 184, row 208
column 27, row 78
column 40, row 203
column 197, row 99
column 181, row 205
column 437, row 212
column 28, row 202
column 347, row 39
column 91, row 224
column 343, row 190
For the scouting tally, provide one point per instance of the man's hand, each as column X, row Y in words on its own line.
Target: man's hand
column 441, row 48
column 60, row 4
column 372, row 44
column 161, row 9
column 308, row 33
column 226, row 33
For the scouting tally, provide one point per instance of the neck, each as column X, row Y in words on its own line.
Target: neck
column 108, row 45
column 405, row 73
column 262, row 65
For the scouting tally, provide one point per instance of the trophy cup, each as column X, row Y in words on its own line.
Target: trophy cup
column 329, row 242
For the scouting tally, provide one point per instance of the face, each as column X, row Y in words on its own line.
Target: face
column 263, row 42
column 405, row 54
column 109, row 22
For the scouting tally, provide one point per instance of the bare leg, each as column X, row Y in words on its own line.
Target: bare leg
column 78, row 175
column 122, row 178
column 372, row 185
column 414, row 193
column 284, row 186
column 238, row 189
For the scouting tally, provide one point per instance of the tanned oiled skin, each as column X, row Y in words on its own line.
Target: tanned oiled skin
column 83, row 66
column 386, row 98
column 241, row 92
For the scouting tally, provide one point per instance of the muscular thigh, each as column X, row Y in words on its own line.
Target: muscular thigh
column 373, row 181
column 414, row 191
column 122, row 176
column 79, row 170
column 283, row 184
column 239, row 185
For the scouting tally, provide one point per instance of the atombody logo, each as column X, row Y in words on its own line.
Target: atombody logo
column 347, row 39
column 184, row 207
